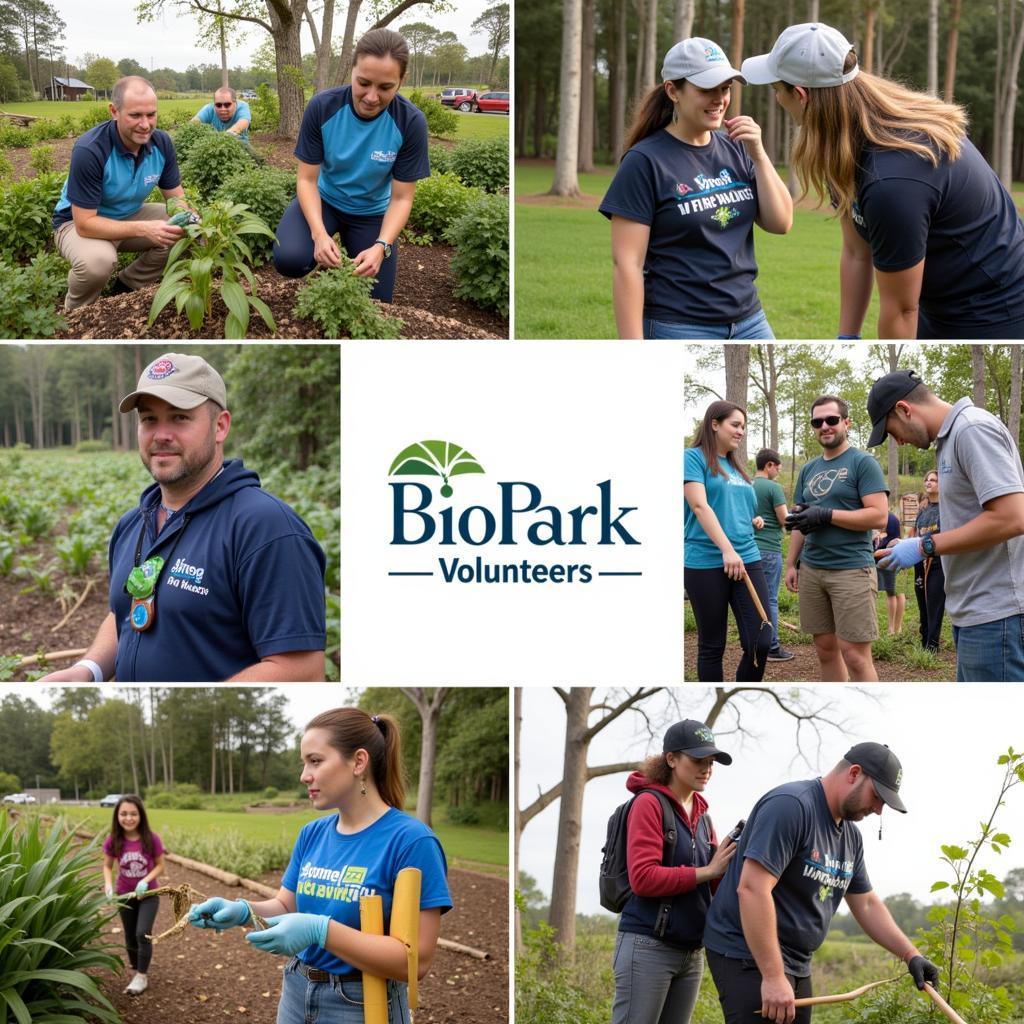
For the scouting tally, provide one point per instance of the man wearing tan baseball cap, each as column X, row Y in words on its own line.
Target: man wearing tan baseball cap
column 211, row 577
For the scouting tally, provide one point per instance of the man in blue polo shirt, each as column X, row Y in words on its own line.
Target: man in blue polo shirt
column 227, row 114
column 211, row 577
column 102, row 208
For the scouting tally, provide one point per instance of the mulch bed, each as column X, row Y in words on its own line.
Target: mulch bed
column 202, row 976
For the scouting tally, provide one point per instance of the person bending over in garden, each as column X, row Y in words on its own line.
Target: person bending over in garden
column 361, row 150
column 921, row 211
column 351, row 765
column 683, row 205
column 226, row 114
column 211, row 577
column 138, row 855
column 800, row 854
column 102, row 208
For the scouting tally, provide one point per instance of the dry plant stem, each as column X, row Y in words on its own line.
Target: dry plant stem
column 183, row 898
column 85, row 594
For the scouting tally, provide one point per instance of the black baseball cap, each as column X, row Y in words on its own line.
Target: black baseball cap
column 695, row 739
column 883, row 767
column 884, row 394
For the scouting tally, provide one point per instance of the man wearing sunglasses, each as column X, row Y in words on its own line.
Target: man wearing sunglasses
column 227, row 114
column 840, row 497
column 799, row 856
column 982, row 539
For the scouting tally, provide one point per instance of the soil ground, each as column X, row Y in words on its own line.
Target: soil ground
column 199, row 976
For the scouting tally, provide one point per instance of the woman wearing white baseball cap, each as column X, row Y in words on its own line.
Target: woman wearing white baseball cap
column 917, row 202
column 683, row 205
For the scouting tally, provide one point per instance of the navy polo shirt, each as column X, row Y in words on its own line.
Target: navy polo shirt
column 359, row 157
column 107, row 178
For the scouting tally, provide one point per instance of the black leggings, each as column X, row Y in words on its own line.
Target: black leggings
column 739, row 990
column 711, row 595
column 137, row 918
column 930, row 591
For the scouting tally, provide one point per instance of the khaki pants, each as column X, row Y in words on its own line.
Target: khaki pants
column 93, row 260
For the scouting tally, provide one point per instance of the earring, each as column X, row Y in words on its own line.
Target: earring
column 362, row 785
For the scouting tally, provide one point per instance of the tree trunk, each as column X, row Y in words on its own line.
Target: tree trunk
column 736, row 55
column 933, row 47
column 223, row 51
column 348, row 41
column 867, row 57
column 682, row 25
column 978, row 375
column 737, row 366
column 1008, row 104
column 286, row 23
column 650, row 75
column 322, row 45
column 951, row 48
column 617, row 85
column 566, row 181
column 586, row 143
column 1013, row 420
column 429, row 708
column 517, row 724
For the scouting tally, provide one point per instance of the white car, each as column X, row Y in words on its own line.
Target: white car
column 19, row 798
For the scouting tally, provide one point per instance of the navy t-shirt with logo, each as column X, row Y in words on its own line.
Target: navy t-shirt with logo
column 959, row 219
column 700, row 203
column 792, row 834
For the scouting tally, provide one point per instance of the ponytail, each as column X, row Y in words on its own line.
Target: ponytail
column 351, row 729
column 653, row 113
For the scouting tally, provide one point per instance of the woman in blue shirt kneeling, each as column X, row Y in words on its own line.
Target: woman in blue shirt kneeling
column 351, row 765
column 719, row 548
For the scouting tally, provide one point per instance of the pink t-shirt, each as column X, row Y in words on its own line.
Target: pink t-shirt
column 134, row 864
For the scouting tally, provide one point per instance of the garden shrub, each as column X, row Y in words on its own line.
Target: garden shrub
column 55, row 917
column 270, row 793
column 439, row 201
column 26, row 216
column 267, row 192
column 340, row 303
column 463, row 814
column 442, row 123
column 480, row 263
column 6, row 167
column 47, row 128
column 88, row 447
column 15, row 136
column 213, row 160
column 482, row 163
column 41, row 159
column 92, row 117
column 187, row 136
column 265, row 110
column 440, row 159
column 28, row 297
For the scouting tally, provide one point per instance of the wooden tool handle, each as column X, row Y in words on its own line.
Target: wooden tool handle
column 943, row 1005
column 753, row 596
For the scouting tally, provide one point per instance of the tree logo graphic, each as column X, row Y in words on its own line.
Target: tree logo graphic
column 435, row 458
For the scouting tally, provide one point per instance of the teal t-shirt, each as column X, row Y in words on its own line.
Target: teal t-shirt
column 769, row 494
column 732, row 500
column 839, row 483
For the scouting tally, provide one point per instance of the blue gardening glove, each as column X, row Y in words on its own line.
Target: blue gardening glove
column 219, row 913
column 903, row 554
column 808, row 518
column 291, row 933
column 922, row 971
column 142, row 887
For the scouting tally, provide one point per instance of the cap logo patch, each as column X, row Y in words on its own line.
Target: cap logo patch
column 705, row 734
column 160, row 369
column 899, row 778
column 713, row 55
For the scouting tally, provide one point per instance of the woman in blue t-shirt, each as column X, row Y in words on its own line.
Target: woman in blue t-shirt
column 683, row 205
column 719, row 520
column 352, row 765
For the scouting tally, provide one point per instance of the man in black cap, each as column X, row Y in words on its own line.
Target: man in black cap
column 981, row 480
column 798, row 856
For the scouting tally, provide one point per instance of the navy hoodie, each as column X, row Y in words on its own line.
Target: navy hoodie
column 651, row 881
column 243, row 579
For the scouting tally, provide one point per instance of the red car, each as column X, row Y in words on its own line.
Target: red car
column 461, row 99
column 494, row 102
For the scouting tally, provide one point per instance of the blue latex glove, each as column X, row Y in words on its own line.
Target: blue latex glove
column 219, row 913
column 291, row 933
column 903, row 555
column 142, row 887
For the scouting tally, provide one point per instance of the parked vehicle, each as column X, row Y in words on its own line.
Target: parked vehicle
column 247, row 94
column 110, row 800
column 461, row 99
column 493, row 102
column 19, row 798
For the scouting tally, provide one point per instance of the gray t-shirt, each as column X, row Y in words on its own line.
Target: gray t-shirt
column 792, row 834
column 977, row 462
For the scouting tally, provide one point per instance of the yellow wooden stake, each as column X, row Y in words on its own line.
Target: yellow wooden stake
column 375, row 990
column 405, row 924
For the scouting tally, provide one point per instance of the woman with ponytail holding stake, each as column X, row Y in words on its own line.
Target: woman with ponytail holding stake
column 683, row 205
column 351, row 765
column 720, row 557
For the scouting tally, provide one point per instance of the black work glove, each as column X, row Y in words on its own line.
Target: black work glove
column 922, row 971
column 808, row 518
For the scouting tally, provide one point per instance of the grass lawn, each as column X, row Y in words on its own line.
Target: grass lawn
column 482, row 126
column 557, row 298
column 42, row 108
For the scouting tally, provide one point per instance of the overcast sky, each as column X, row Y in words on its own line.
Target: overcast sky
column 948, row 738
column 108, row 28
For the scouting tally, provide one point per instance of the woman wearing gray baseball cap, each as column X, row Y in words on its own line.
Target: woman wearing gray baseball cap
column 683, row 205
column 917, row 202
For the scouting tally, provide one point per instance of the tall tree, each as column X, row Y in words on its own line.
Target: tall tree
column 420, row 36
column 933, row 47
column 978, row 375
column 101, row 74
column 682, row 23
column 428, row 704
column 952, row 45
column 737, row 369
column 494, row 23
column 736, row 54
column 566, row 181
column 586, row 153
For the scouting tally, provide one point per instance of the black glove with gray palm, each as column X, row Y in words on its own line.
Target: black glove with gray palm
column 922, row 971
column 808, row 518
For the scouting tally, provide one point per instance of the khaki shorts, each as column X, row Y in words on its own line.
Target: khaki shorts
column 840, row 601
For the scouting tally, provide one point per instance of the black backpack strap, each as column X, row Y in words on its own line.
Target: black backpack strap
column 669, row 831
column 706, row 818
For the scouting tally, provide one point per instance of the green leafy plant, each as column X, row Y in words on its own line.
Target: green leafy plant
column 6, row 167
column 40, row 579
column 187, row 136
column 480, row 264
column 36, row 520
column 76, row 551
column 440, row 158
column 15, row 136
column 7, row 553
column 92, row 117
column 212, row 259
column 267, row 192
column 265, row 109
column 26, row 216
column 53, row 927
column 28, row 297
column 213, row 160
column 41, row 159
column 439, row 201
column 482, row 163
column 442, row 123
column 340, row 303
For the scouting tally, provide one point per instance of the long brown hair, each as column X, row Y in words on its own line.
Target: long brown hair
column 652, row 113
column 351, row 729
column 704, row 439
column 117, row 836
column 656, row 769
column 383, row 42
column 840, row 120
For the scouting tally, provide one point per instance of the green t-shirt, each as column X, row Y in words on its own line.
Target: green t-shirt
column 769, row 494
column 839, row 483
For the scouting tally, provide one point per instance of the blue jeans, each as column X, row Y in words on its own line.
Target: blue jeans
column 654, row 982
column 332, row 1002
column 990, row 653
column 753, row 328
column 771, row 561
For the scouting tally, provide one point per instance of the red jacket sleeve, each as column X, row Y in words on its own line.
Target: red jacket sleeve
column 645, row 847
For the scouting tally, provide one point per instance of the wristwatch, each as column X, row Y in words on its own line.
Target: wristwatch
column 387, row 247
column 928, row 546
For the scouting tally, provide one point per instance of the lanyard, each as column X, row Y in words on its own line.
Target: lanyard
column 143, row 610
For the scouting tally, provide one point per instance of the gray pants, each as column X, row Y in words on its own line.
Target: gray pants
column 654, row 983
column 93, row 260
